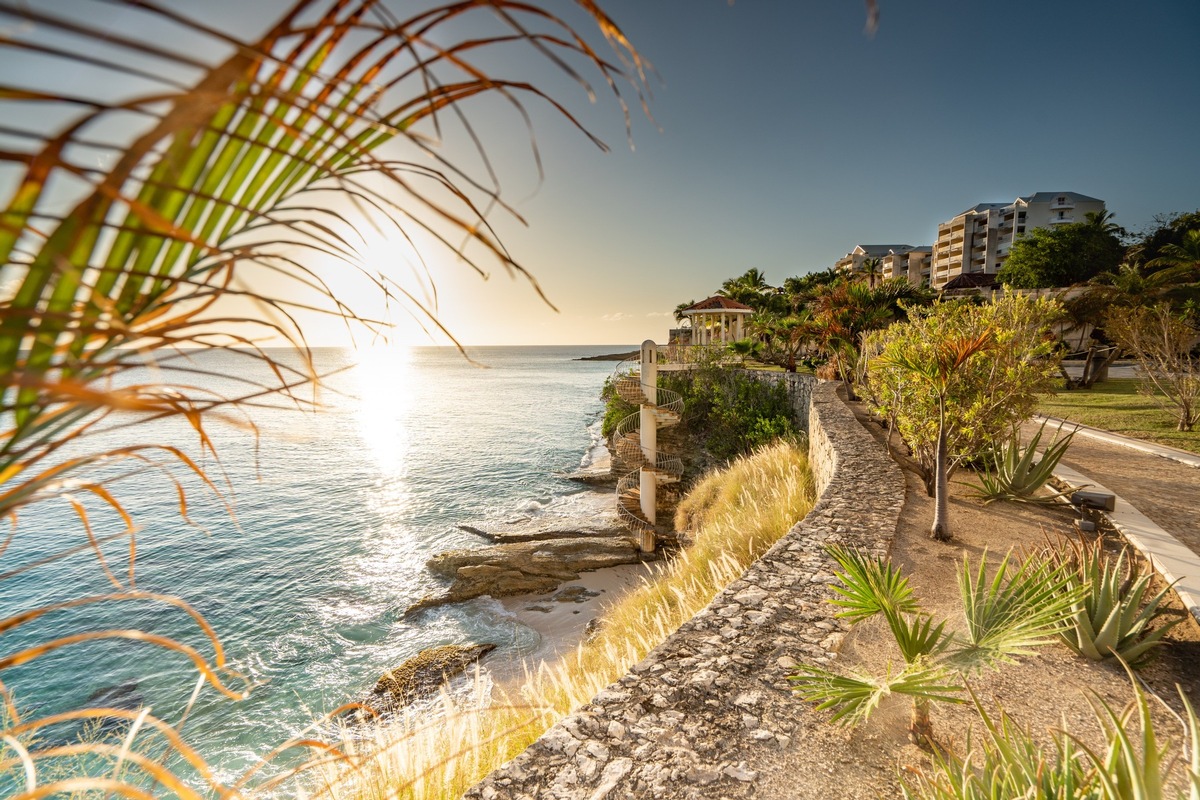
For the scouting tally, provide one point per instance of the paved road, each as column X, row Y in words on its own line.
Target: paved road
column 1166, row 491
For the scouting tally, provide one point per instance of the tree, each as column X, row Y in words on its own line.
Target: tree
column 207, row 216
column 748, row 288
column 783, row 338
column 872, row 268
column 844, row 311
column 1065, row 255
column 986, row 395
column 1162, row 342
column 1169, row 229
column 1178, row 263
column 940, row 367
column 1103, row 222
column 1022, row 606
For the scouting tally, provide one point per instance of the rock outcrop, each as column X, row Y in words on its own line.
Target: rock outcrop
column 533, row 532
column 423, row 674
column 526, row 566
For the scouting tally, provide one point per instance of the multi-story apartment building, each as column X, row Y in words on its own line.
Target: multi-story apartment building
column 896, row 261
column 913, row 263
column 979, row 239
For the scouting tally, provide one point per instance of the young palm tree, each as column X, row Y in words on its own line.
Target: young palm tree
column 1179, row 263
column 1019, row 607
column 872, row 268
column 199, row 230
column 939, row 370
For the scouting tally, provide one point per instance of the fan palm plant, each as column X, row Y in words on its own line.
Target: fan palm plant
column 194, row 216
column 1022, row 606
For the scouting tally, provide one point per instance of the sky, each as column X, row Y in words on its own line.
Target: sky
column 783, row 135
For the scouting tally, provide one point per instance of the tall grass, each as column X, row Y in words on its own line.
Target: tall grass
column 731, row 517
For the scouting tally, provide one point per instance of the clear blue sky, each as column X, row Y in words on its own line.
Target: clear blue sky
column 785, row 136
column 788, row 136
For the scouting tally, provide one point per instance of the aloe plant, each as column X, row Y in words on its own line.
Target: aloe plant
column 1017, row 473
column 1023, row 606
column 1114, row 614
column 1134, row 762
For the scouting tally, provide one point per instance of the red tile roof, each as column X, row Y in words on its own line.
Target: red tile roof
column 718, row 303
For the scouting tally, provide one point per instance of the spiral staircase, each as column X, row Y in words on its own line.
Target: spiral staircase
column 665, row 409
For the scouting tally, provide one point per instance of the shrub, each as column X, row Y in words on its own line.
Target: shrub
column 988, row 396
column 1162, row 343
column 730, row 412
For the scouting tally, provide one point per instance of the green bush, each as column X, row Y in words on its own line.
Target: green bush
column 730, row 412
column 615, row 409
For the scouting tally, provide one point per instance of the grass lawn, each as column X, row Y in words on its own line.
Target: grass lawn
column 1117, row 406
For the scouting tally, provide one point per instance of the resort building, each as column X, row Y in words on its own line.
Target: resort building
column 914, row 264
column 978, row 240
column 852, row 262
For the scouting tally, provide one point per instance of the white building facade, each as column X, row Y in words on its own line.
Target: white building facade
column 979, row 240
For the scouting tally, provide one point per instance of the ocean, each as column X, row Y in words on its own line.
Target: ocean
column 335, row 514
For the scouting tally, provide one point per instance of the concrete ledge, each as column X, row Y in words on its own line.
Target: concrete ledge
column 1169, row 557
column 684, row 721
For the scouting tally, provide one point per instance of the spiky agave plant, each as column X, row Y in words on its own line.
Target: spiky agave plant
column 137, row 229
column 1116, row 612
column 1018, row 471
column 1022, row 606
column 1008, row 761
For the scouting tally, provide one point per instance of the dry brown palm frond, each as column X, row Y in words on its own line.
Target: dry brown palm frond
column 250, row 177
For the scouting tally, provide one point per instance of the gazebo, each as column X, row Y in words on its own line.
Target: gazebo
column 718, row 320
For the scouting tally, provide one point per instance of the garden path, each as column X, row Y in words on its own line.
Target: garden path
column 1166, row 491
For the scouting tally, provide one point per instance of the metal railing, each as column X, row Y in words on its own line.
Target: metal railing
column 628, row 498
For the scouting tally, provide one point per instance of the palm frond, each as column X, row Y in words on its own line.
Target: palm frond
column 1023, row 606
column 854, row 698
column 869, row 586
column 238, row 206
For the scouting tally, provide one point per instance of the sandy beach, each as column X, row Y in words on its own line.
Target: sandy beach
column 560, row 618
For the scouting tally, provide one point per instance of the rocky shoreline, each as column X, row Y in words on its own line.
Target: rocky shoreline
column 529, row 559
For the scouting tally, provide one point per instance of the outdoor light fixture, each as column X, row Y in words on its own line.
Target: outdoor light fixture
column 1088, row 504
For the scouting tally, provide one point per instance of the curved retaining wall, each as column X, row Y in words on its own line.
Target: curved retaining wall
column 684, row 720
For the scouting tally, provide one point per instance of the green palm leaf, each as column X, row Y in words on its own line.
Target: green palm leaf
column 869, row 586
column 854, row 698
column 1023, row 606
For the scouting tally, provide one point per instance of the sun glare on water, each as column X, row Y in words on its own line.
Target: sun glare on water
column 383, row 379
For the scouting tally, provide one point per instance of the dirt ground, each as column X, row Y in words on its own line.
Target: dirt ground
column 1044, row 692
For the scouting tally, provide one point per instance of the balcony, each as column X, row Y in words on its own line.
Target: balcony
column 1061, row 220
column 1061, row 202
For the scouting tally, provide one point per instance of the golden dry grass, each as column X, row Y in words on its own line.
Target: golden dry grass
column 732, row 516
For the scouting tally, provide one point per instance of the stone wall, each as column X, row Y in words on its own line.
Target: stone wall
column 688, row 720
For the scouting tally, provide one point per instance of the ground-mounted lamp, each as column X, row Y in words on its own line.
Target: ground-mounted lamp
column 1089, row 503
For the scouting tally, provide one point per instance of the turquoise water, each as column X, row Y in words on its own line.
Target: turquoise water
column 336, row 514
